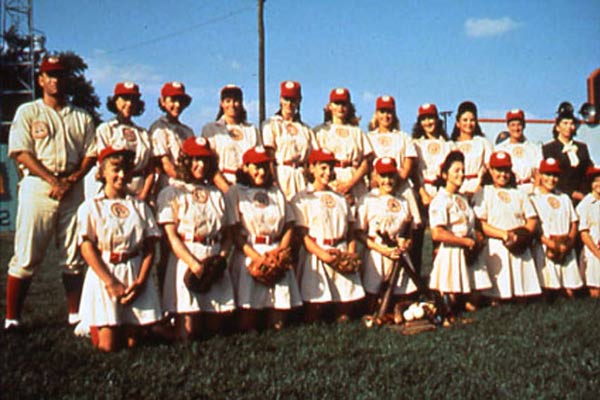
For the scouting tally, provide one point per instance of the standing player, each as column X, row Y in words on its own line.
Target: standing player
column 291, row 139
column 53, row 143
column 525, row 155
column 120, row 131
column 589, row 229
column 230, row 136
column 469, row 139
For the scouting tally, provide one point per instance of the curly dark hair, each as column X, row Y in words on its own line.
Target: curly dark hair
column 351, row 118
column 462, row 109
column 451, row 158
column 184, row 164
column 418, row 131
column 138, row 105
column 487, row 179
column 184, row 101
column 244, row 179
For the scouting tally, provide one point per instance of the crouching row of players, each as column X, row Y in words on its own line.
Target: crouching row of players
column 117, row 235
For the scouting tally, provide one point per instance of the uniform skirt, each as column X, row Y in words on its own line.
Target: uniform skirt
column 452, row 274
column 376, row 268
column 557, row 276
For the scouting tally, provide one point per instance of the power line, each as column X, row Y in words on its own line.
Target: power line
column 181, row 31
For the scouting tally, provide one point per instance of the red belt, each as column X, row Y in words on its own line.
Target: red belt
column 291, row 163
column 472, row 176
column 199, row 239
column 429, row 181
column 117, row 258
column 260, row 239
column 229, row 171
column 328, row 242
column 523, row 181
column 343, row 164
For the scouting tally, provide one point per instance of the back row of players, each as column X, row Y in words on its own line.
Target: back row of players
column 273, row 195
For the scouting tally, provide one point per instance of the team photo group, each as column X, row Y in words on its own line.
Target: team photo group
column 188, row 234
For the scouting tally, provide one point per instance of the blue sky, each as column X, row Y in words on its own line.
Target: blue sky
column 500, row 54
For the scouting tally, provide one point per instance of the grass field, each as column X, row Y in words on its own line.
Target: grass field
column 509, row 352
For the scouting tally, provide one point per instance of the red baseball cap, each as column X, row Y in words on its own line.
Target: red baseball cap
column 51, row 64
column 256, row 155
column 386, row 165
column 385, row 103
column 291, row 89
column 500, row 159
column 592, row 171
column 339, row 95
column 427, row 109
column 515, row 114
column 112, row 150
column 174, row 89
column 549, row 166
column 321, row 155
column 196, row 147
column 231, row 90
column 127, row 89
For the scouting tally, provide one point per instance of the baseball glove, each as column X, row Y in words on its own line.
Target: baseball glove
column 273, row 267
column 521, row 242
column 562, row 248
column 345, row 262
column 472, row 254
column 213, row 269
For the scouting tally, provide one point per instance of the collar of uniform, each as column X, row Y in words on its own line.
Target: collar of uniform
column 67, row 108
column 102, row 196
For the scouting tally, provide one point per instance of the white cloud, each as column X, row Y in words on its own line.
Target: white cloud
column 369, row 96
column 483, row 27
column 235, row 65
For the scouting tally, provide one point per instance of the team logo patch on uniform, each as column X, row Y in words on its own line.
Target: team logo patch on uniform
column 461, row 204
column 384, row 140
column 434, row 148
column 119, row 210
column 342, row 132
column 200, row 195
column 236, row 133
column 393, row 205
column 39, row 129
column 553, row 202
column 518, row 152
column 129, row 135
column 328, row 200
column 504, row 196
column 260, row 200
column 465, row 147
column 290, row 129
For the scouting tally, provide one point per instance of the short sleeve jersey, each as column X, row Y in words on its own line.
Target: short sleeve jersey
column 348, row 143
column 431, row 154
column 58, row 139
column 386, row 214
column 555, row 211
column 131, row 137
column 504, row 208
column 396, row 145
column 230, row 142
column 477, row 152
column 293, row 141
column 589, row 216
column 167, row 138
column 526, row 156
column 452, row 212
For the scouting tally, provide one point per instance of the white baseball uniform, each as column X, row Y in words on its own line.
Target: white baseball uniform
column 262, row 215
column 556, row 214
column 589, row 219
column 389, row 215
column 431, row 154
column 450, row 272
column 327, row 218
column 199, row 215
column 230, row 142
column 506, row 208
column 350, row 145
column 525, row 156
column 131, row 137
column 60, row 140
column 293, row 142
column 118, row 228
column 477, row 152
column 396, row 144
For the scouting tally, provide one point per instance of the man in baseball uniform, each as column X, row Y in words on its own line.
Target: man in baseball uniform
column 53, row 143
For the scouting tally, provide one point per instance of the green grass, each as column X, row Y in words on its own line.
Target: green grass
column 508, row 352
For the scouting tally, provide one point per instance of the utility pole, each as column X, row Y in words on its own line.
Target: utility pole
column 261, row 63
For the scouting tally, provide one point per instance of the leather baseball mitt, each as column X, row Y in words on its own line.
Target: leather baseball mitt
column 562, row 248
column 273, row 267
column 214, row 267
column 521, row 242
column 345, row 262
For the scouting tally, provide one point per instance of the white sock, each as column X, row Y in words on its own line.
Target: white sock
column 9, row 323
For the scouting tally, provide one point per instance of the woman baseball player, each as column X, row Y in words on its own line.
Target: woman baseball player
column 525, row 155
column 555, row 254
column 384, row 226
column 193, row 214
column 291, row 139
column 263, row 222
column 589, row 230
column 230, row 136
column 341, row 135
column 116, row 234
column 501, row 207
column 325, row 223
column 452, row 223
column 122, row 132
column 469, row 139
